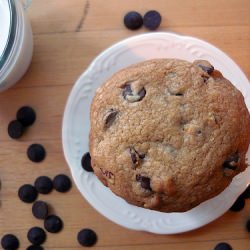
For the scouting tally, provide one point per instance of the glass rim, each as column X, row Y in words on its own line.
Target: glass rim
column 12, row 33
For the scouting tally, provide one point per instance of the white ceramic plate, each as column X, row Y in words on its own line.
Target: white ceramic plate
column 76, row 126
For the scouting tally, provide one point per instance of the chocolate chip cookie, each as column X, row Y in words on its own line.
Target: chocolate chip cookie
column 167, row 134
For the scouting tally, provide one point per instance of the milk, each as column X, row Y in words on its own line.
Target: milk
column 16, row 42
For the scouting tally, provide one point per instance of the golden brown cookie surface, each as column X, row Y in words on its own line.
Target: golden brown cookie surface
column 167, row 134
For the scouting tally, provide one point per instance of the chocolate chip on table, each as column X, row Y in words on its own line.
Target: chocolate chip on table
column 231, row 161
column 133, row 20
column 15, row 129
column 27, row 193
column 26, row 115
column 223, row 246
column 36, row 152
column 43, row 185
column 248, row 225
column 62, row 183
column 86, row 162
column 87, row 237
column 131, row 96
column 34, row 247
column 238, row 205
column 110, row 118
column 246, row 193
column 145, row 181
column 36, row 235
column 9, row 242
column 40, row 210
column 152, row 20
column 53, row 224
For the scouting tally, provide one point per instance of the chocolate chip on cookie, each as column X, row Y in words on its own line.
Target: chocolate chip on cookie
column 209, row 70
column 110, row 118
column 205, row 66
column 110, row 177
column 132, row 96
column 178, row 94
column 135, row 157
column 232, row 161
column 145, row 181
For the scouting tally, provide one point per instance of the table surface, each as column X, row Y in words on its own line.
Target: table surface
column 68, row 35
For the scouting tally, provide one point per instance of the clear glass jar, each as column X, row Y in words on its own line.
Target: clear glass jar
column 16, row 42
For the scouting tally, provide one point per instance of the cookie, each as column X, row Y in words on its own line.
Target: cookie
column 167, row 134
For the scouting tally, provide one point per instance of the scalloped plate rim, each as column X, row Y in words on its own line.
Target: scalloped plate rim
column 67, row 108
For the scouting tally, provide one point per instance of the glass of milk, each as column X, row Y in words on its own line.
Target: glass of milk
column 16, row 42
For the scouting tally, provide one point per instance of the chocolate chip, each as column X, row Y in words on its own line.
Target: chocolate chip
column 145, row 181
column 207, row 69
column 205, row 66
column 86, row 162
column 43, row 185
column 246, row 193
column 110, row 118
column 179, row 94
column 152, row 20
column 36, row 152
column 62, row 183
column 9, row 242
column 223, row 246
column 205, row 78
column 133, row 20
column 27, row 193
column 26, row 115
column 40, row 210
column 53, row 224
column 131, row 96
column 135, row 157
column 36, row 235
column 238, row 205
column 248, row 225
column 231, row 161
column 15, row 129
column 87, row 237
column 33, row 247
